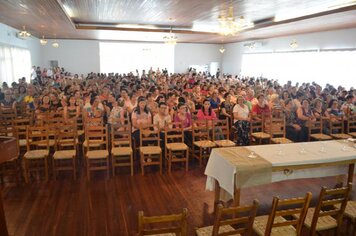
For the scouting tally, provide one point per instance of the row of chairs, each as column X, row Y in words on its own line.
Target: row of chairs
column 287, row 217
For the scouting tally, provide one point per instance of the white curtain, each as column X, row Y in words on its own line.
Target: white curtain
column 332, row 67
column 15, row 63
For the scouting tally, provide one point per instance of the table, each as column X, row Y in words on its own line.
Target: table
column 287, row 161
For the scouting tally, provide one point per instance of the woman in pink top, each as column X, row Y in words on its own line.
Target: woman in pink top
column 185, row 118
column 207, row 113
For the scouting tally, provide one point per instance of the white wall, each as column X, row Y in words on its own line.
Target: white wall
column 338, row 39
column 76, row 56
column 8, row 37
column 186, row 54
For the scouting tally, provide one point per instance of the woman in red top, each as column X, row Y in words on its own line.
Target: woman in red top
column 261, row 108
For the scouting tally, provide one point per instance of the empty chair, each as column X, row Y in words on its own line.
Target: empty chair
column 121, row 147
column 176, row 150
column 350, row 213
column 315, row 130
column 325, row 216
column 257, row 129
column 351, row 125
column 202, row 142
column 179, row 229
column 221, row 128
column 280, row 221
column 241, row 216
column 277, row 129
column 97, row 154
column 337, row 130
column 64, row 158
column 150, row 149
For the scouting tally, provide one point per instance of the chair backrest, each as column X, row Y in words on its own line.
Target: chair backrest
column 351, row 123
column 37, row 137
column 96, row 135
column 200, row 130
column 174, row 133
column 327, row 199
column 336, row 125
column 66, row 137
column 150, row 135
column 121, row 135
column 241, row 216
column 257, row 123
column 222, row 127
column 20, row 128
column 315, row 127
column 179, row 219
column 287, row 208
column 276, row 126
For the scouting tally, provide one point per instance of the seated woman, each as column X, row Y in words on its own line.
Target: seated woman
column 141, row 117
column 318, row 111
column 333, row 113
column 94, row 109
column 293, row 129
column 71, row 112
column 207, row 113
column 185, row 118
column 242, row 121
column 226, row 107
column 162, row 118
column 117, row 114
column 304, row 115
column 215, row 100
column 151, row 104
column 260, row 108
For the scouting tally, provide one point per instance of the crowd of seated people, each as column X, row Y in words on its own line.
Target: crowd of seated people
column 156, row 97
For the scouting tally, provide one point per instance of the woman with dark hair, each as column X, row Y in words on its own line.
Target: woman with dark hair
column 151, row 104
column 293, row 129
column 242, row 121
column 21, row 94
column 72, row 111
column 304, row 114
column 141, row 117
column 206, row 112
column 226, row 107
column 185, row 118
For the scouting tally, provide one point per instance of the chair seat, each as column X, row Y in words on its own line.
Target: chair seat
column 353, row 134
column 150, row 150
column 204, row 143
column 176, row 146
column 121, row 151
column 98, row 154
column 261, row 135
column 120, row 143
column 350, row 210
column 341, row 136
column 225, row 143
column 36, row 154
column 208, row 230
column 260, row 223
column 51, row 143
column 93, row 143
column 64, row 154
column 23, row 142
column 324, row 222
column 320, row 136
column 281, row 140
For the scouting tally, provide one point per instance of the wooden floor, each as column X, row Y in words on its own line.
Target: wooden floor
column 109, row 207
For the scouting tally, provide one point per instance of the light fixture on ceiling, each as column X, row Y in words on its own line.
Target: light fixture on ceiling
column 24, row 34
column 294, row 44
column 43, row 41
column 229, row 25
column 170, row 39
column 222, row 49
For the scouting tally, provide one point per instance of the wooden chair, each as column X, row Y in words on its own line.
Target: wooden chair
column 97, row 154
column 277, row 129
column 201, row 140
column 36, row 157
column 150, row 149
column 337, row 130
column 315, row 130
column 257, row 129
column 176, row 150
column 242, row 216
column 20, row 130
column 221, row 127
column 7, row 115
column 281, row 222
column 87, row 123
column 325, row 216
column 351, row 125
column 64, row 158
column 180, row 229
column 121, row 147
column 350, row 214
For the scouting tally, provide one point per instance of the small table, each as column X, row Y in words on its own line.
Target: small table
column 8, row 151
column 287, row 161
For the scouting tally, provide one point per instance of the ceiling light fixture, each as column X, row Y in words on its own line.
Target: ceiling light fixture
column 170, row 39
column 43, row 41
column 24, row 34
column 222, row 49
column 229, row 25
column 294, row 44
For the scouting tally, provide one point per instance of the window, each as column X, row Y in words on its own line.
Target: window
column 15, row 63
column 127, row 57
column 332, row 67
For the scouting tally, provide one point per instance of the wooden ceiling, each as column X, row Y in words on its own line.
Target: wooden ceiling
column 192, row 20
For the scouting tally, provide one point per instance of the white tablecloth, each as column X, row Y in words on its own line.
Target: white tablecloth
column 284, row 156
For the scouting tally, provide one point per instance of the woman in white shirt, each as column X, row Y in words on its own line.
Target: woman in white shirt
column 242, row 121
column 141, row 118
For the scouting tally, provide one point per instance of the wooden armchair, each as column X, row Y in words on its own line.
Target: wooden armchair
column 241, row 216
column 180, row 219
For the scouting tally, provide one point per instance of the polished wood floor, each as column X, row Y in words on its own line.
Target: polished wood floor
column 109, row 207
